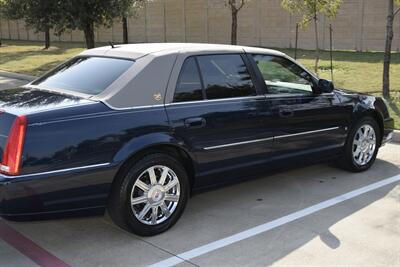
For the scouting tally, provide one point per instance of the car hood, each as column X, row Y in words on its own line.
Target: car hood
column 25, row 100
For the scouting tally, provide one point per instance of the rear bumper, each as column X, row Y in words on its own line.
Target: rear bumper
column 388, row 127
column 55, row 192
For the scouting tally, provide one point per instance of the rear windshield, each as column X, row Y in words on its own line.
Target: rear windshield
column 88, row 75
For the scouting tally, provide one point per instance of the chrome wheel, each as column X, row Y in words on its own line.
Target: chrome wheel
column 155, row 195
column 364, row 144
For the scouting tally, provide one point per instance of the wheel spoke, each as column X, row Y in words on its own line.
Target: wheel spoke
column 357, row 152
column 165, row 210
column 163, row 175
column 360, row 157
column 154, row 213
column 172, row 198
column 171, row 184
column 366, row 131
column 138, row 200
column 142, row 185
column 364, row 158
column 152, row 176
column 144, row 211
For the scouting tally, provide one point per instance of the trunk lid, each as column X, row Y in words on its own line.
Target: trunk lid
column 24, row 101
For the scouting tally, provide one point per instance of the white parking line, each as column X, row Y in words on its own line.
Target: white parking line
column 272, row 224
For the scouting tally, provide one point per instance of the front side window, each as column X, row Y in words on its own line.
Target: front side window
column 87, row 75
column 225, row 76
column 283, row 76
column 189, row 86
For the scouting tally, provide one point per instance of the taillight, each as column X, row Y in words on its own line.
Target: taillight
column 12, row 156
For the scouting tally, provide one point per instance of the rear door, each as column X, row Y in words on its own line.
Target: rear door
column 217, row 111
column 303, row 120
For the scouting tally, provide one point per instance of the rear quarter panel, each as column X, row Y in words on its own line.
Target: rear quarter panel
column 86, row 135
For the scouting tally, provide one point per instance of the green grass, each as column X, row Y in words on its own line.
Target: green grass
column 30, row 58
column 359, row 71
column 394, row 109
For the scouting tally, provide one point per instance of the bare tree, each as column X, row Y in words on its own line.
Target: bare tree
column 388, row 48
column 235, row 6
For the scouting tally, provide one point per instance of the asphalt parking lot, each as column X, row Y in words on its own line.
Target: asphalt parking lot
column 314, row 216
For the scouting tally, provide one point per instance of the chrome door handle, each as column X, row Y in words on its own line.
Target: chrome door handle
column 195, row 122
column 286, row 113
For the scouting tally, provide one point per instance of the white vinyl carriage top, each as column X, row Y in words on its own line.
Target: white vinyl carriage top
column 151, row 79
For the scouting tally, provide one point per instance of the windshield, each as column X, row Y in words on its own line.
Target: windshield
column 87, row 75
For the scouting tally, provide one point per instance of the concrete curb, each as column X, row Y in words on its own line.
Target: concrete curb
column 396, row 137
column 17, row 76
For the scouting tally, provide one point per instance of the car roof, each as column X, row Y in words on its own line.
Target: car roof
column 136, row 51
column 152, row 60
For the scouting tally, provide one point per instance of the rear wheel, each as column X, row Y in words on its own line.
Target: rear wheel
column 151, row 196
column 362, row 145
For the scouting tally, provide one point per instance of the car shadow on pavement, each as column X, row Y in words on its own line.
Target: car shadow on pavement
column 220, row 213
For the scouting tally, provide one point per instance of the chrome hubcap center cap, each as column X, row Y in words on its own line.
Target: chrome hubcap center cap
column 156, row 195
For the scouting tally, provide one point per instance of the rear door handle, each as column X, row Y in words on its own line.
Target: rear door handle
column 195, row 122
column 286, row 113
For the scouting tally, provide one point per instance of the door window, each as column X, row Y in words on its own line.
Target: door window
column 225, row 76
column 189, row 86
column 283, row 76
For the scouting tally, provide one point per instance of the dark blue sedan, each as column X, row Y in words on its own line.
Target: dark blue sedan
column 135, row 129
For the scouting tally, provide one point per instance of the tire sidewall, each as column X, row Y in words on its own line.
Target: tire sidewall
column 133, row 174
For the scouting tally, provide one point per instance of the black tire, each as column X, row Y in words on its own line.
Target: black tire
column 347, row 161
column 119, row 206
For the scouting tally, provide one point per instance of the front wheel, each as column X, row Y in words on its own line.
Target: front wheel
column 362, row 145
column 151, row 196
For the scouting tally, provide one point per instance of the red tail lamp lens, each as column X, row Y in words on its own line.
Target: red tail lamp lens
column 12, row 156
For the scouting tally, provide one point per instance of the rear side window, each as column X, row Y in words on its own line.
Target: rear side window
column 225, row 76
column 88, row 75
column 189, row 86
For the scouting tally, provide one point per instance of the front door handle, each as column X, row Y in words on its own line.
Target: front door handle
column 286, row 113
column 195, row 122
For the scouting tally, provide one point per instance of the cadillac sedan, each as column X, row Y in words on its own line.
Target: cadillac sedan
column 135, row 129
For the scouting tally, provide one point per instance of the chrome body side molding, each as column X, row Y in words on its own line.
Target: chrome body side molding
column 271, row 138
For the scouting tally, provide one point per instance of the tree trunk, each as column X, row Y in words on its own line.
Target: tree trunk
column 125, row 30
column 316, row 44
column 89, row 35
column 234, row 27
column 47, row 38
column 388, row 50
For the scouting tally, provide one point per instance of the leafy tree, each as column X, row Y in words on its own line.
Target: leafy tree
column 40, row 15
column 85, row 14
column 388, row 47
column 235, row 6
column 310, row 9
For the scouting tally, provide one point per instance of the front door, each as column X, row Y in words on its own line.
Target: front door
column 303, row 120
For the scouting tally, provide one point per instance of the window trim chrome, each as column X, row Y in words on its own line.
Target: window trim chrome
column 255, row 97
